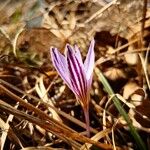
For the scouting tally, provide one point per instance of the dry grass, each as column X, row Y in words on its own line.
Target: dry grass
column 37, row 110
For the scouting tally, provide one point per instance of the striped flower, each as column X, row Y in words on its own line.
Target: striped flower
column 76, row 74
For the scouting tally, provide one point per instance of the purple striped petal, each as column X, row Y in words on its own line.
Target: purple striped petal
column 89, row 61
column 77, row 74
column 60, row 63
column 78, row 54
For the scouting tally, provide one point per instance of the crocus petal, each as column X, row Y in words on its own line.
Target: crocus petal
column 89, row 82
column 89, row 61
column 78, row 54
column 60, row 63
column 77, row 74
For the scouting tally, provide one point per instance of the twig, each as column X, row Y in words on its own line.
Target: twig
column 100, row 11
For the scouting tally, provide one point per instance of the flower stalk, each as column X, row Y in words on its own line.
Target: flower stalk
column 76, row 74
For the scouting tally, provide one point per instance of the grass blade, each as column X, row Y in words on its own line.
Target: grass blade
column 121, row 110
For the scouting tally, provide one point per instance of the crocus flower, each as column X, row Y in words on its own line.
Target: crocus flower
column 76, row 74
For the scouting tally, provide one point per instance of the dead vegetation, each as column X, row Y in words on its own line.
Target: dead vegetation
column 37, row 110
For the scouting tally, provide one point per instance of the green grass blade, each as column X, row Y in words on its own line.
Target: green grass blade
column 121, row 110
